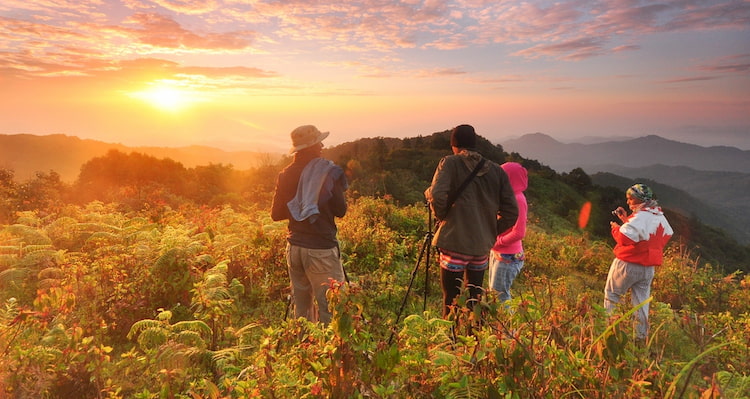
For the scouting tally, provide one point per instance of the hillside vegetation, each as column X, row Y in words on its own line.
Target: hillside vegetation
column 136, row 284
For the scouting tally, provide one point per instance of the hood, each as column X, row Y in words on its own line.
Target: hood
column 471, row 159
column 519, row 176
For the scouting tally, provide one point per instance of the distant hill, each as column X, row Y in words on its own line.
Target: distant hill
column 717, row 177
column 634, row 153
column 27, row 154
column 733, row 220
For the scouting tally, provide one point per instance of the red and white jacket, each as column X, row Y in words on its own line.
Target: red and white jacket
column 642, row 238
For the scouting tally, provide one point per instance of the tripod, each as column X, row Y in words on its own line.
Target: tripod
column 423, row 254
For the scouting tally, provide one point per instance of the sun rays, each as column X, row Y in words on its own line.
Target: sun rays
column 167, row 95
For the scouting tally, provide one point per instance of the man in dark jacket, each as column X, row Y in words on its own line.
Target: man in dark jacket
column 468, row 227
column 310, row 194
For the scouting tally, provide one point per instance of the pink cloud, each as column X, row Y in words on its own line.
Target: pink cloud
column 689, row 79
column 162, row 31
column 576, row 49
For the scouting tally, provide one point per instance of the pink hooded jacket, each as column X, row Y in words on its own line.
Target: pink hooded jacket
column 510, row 241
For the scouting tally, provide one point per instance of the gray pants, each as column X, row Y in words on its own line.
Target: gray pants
column 624, row 276
column 309, row 272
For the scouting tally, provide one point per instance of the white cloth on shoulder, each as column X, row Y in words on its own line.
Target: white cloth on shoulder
column 304, row 205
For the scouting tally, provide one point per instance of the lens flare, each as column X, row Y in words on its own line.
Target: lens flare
column 583, row 217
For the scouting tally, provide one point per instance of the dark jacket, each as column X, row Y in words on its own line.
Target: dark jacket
column 470, row 227
column 322, row 233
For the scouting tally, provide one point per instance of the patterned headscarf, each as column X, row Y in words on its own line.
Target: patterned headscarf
column 641, row 191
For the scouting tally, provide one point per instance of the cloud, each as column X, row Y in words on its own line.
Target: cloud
column 439, row 72
column 66, row 37
column 161, row 31
column 575, row 49
column 739, row 64
column 689, row 79
column 189, row 7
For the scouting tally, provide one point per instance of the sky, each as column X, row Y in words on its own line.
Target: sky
column 241, row 75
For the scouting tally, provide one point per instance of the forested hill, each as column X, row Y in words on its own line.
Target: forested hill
column 402, row 169
column 397, row 169
column 27, row 154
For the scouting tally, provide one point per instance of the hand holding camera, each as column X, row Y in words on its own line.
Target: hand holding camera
column 620, row 213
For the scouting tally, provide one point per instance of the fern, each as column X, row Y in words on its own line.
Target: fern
column 140, row 326
column 8, row 260
column 37, row 248
column 734, row 385
column 195, row 326
column 191, row 338
column 465, row 389
column 97, row 227
column 9, row 249
column 153, row 337
column 8, row 312
column 103, row 236
column 56, row 337
column 14, row 277
column 27, row 234
column 51, row 273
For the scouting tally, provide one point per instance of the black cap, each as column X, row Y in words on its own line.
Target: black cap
column 463, row 136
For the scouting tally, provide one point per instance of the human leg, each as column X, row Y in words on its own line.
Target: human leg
column 618, row 283
column 451, row 282
column 475, row 278
column 506, row 268
column 321, row 265
column 640, row 292
column 302, row 291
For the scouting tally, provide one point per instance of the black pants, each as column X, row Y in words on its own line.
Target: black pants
column 452, row 282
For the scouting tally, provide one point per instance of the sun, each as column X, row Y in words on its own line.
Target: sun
column 166, row 96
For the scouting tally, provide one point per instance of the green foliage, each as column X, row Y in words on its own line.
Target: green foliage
column 81, row 322
column 173, row 284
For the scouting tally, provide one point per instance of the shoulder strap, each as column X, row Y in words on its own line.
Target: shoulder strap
column 452, row 198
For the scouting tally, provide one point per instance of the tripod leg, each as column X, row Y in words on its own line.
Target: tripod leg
column 426, row 272
column 424, row 251
column 288, row 306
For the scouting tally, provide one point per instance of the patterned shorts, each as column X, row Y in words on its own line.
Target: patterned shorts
column 457, row 262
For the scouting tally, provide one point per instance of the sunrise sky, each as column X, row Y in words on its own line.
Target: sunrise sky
column 242, row 74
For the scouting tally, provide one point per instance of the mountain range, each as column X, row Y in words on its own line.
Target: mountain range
column 634, row 153
column 718, row 178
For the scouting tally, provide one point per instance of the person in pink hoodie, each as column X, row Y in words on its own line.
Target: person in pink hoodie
column 640, row 242
column 506, row 256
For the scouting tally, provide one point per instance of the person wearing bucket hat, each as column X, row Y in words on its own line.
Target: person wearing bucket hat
column 468, row 222
column 309, row 194
column 639, row 246
column 305, row 137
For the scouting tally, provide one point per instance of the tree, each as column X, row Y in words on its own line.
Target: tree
column 8, row 196
column 45, row 191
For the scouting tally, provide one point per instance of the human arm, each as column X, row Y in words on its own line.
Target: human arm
column 518, row 231
column 508, row 212
column 282, row 195
column 338, row 198
column 437, row 194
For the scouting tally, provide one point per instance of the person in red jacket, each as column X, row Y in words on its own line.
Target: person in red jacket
column 640, row 242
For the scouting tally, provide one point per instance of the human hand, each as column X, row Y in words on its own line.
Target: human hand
column 620, row 213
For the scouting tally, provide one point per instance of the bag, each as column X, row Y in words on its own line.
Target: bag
column 454, row 197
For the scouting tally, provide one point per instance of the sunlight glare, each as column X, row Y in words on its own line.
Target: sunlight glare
column 165, row 96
